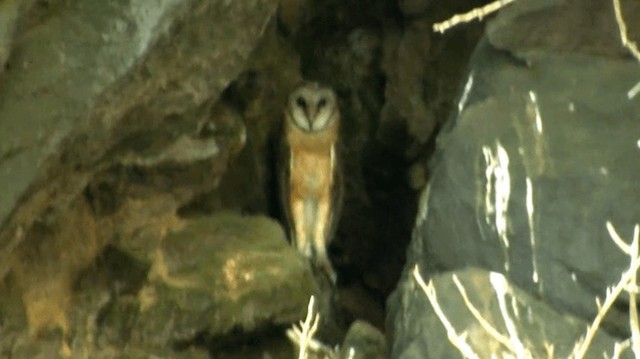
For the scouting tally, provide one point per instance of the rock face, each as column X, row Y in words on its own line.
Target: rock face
column 215, row 275
column 114, row 117
column 86, row 83
column 9, row 13
column 197, row 288
column 535, row 323
column 541, row 154
column 137, row 165
column 125, row 130
column 419, row 70
column 363, row 341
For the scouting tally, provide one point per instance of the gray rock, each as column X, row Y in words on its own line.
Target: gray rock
column 564, row 180
column 95, row 74
column 419, row 69
column 9, row 10
column 221, row 273
column 419, row 333
column 110, row 120
column 363, row 341
column 291, row 13
column 405, row 89
column 529, row 29
column 13, row 319
column 413, row 7
column 258, row 95
column 527, row 174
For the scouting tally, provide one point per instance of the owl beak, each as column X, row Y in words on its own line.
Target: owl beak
column 310, row 113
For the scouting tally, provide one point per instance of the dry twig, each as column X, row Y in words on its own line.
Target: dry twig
column 477, row 13
column 302, row 335
column 458, row 340
column 627, row 282
column 630, row 45
column 622, row 27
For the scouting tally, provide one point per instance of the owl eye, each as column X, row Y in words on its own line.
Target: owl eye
column 322, row 103
column 301, row 102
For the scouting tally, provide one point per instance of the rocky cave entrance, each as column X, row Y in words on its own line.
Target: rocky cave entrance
column 397, row 83
column 182, row 129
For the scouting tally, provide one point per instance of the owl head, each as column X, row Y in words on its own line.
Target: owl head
column 312, row 107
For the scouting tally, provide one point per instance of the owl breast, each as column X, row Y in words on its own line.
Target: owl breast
column 311, row 174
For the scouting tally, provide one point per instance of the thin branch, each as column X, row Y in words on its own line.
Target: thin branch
column 477, row 13
column 500, row 285
column 618, row 240
column 549, row 349
column 612, row 294
column 630, row 45
column 632, row 289
column 634, row 91
column 622, row 27
column 458, row 340
column 483, row 322
column 618, row 348
column 303, row 333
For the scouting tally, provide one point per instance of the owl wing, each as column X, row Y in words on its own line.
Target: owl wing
column 337, row 192
column 284, row 173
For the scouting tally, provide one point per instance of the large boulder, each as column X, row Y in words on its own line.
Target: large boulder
column 212, row 277
column 111, row 119
column 515, row 315
column 541, row 153
column 88, row 83
column 205, row 284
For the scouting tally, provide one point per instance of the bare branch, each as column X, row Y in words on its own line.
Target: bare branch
column 458, row 340
column 302, row 334
column 618, row 240
column 483, row 322
column 500, row 285
column 622, row 27
column 477, row 13
column 634, row 91
column 618, row 348
column 632, row 289
column 627, row 280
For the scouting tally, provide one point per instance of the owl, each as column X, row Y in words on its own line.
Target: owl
column 310, row 174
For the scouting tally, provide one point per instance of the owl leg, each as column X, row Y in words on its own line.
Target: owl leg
column 320, row 240
column 299, row 224
column 322, row 261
